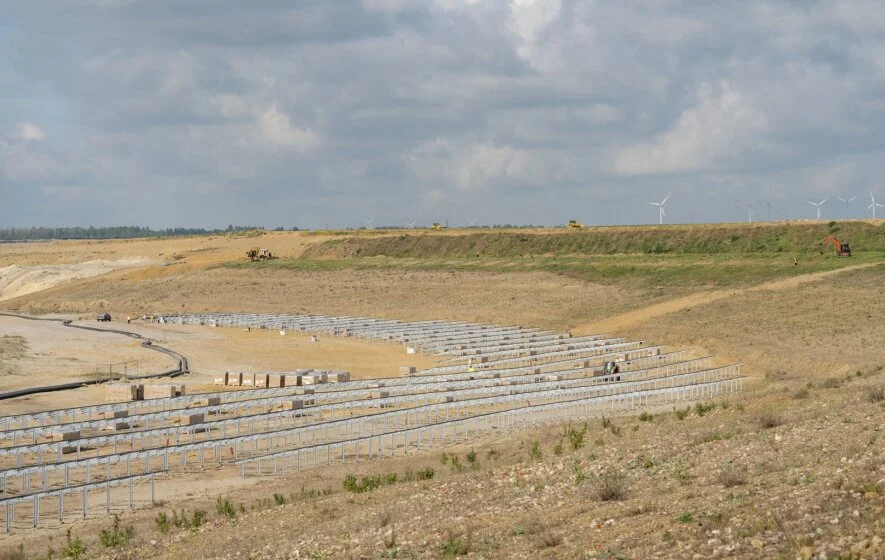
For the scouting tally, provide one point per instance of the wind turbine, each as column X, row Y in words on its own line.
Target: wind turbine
column 370, row 223
column 846, row 201
column 873, row 204
column 750, row 212
column 471, row 221
column 410, row 225
column 818, row 205
column 660, row 206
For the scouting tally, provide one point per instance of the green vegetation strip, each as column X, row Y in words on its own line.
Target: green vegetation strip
column 679, row 270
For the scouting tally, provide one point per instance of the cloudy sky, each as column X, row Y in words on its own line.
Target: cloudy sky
column 331, row 112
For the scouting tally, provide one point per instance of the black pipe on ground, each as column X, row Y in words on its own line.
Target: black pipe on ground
column 146, row 343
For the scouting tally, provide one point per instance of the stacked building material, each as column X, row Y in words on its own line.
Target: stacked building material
column 121, row 392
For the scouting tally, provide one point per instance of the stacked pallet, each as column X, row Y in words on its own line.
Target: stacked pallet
column 123, row 392
column 163, row 391
column 338, row 376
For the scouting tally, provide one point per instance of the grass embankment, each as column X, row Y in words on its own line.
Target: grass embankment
column 799, row 239
column 675, row 256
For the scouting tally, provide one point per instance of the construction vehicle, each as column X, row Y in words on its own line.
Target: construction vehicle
column 842, row 249
column 259, row 254
column 437, row 225
column 575, row 224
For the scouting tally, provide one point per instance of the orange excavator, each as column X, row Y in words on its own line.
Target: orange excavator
column 842, row 249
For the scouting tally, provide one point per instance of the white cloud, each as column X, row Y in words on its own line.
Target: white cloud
column 720, row 128
column 30, row 131
column 528, row 19
column 277, row 127
column 466, row 165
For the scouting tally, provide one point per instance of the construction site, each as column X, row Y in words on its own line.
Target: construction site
column 373, row 400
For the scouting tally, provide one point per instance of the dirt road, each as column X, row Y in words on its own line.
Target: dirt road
column 625, row 321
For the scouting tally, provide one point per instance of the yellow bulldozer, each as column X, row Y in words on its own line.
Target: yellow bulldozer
column 575, row 224
column 258, row 254
column 437, row 225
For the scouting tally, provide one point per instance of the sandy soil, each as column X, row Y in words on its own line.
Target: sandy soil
column 203, row 250
column 54, row 354
column 50, row 353
column 212, row 351
column 16, row 280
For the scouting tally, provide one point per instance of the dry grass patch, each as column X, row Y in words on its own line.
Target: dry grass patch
column 732, row 476
column 875, row 393
column 610, row 486
column 768, row 419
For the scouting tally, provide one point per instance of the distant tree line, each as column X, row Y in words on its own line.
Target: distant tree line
column 114, row 232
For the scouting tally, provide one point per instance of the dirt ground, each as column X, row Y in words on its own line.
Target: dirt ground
column 212, row 351
column 832, row 327
column 48, row 353
column 793, row 468
column 44, row 353
column 16, row 280
column 530, row 299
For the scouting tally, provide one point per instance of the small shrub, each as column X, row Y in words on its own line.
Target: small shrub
column 74, row 548
column 116, row 535
column 350, row 483
column 384, row 519
column 702, row 408
column 683, row 413
column 425, row 474
column 769, row 419
column 686, row 517
column 606, row 423
column 279, row 499
column 456, row 464
column 646, row 417
column 390, row 540
column 732, row 477
column 367, row 483
column 558, row 449
column 831, row 383
column 801, row 393
column 875, row 393
column 549, row 539
column 444, row 459
column 455, row 545
column 578, row 470
column 491, row 454
column 535, row 451
column 226, row 508
column 471, row 457
column 610, row 487
column 682, row 474
column 162, row 522
column 242, row 508
column 576, row 437
column 199, row 517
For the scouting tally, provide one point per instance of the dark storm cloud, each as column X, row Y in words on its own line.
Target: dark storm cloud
column 522, row 111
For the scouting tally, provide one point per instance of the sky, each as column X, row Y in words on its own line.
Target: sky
column 312, row 114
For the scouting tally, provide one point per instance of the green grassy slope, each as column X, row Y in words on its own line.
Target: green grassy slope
column 799, row 238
